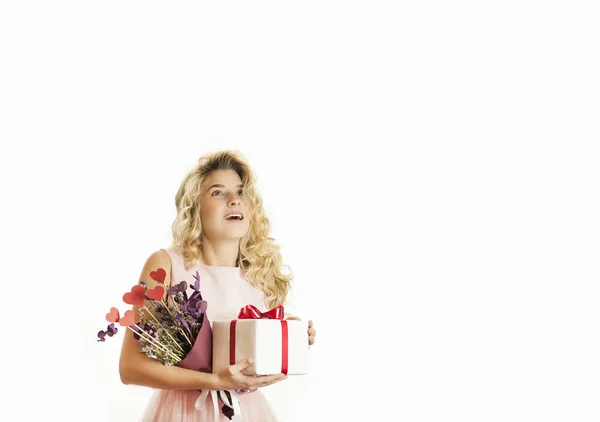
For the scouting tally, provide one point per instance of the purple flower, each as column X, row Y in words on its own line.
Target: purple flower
column 137, row 330
column 180, row 287
column 195, row 306
column 111, row 330
column 196, row 285
column 183, row 322
column 148, row 328
column 101, row 335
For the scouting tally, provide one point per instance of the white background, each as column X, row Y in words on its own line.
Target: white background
column 429, row 168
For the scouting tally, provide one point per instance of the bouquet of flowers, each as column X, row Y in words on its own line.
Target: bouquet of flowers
column 167, row 329
column 172, row 330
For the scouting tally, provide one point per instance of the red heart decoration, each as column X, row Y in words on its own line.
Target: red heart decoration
column 158, row 275
column 156, row 293
column 113, row 315
column 135, row 297
column 127, row 319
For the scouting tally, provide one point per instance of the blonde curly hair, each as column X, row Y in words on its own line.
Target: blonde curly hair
column 258, row 255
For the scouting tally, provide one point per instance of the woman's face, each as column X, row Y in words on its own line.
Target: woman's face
column 222, row 194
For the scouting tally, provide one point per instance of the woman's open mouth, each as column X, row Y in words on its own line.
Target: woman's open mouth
column 234, row 217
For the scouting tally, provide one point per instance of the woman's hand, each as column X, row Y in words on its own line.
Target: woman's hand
column 312, row 333
column 232, row 378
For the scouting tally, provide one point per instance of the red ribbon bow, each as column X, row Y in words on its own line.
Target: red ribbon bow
column 252, row 312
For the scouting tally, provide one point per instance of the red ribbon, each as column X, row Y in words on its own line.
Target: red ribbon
column 252, row 312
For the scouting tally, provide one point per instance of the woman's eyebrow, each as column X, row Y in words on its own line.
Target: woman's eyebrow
column 222, row 186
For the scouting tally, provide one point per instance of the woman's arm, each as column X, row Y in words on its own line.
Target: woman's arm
column 137, row 368
column 142, row 370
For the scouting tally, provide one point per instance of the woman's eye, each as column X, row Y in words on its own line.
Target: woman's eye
column 240, row 192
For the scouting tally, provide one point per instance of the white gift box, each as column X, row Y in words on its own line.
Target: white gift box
column 262, row 341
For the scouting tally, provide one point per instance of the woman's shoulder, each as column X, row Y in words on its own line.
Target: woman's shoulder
column 170, row 258
column 160, row 258
column 165, row 254
column 157, row 267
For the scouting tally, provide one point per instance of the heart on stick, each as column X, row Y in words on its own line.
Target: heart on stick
column 156, row 293
column 135, row 297
column 158, row 275
column 127, row 319
column 113, row 315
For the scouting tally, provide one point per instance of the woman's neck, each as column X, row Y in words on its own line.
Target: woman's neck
column 222, row 254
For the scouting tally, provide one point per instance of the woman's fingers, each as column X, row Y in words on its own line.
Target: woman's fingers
column 273, row 381
column 311, row 333
column 264, row 380
column 240, row 366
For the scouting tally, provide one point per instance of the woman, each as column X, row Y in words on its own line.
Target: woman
column 221, row 231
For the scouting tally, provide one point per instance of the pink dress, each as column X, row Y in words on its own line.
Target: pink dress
column 226, row 291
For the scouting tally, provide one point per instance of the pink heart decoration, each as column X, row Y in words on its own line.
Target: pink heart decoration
column 156, row 293
column 158, row 275
column 127, row 319
column 113, row 315
column 135, row 297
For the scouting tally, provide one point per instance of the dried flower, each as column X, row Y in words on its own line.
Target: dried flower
column 166, row 329
column 111, row 330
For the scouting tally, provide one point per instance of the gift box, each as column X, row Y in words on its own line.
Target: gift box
column 275, row 345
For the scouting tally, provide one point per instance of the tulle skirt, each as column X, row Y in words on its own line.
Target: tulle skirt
column 179, row 406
